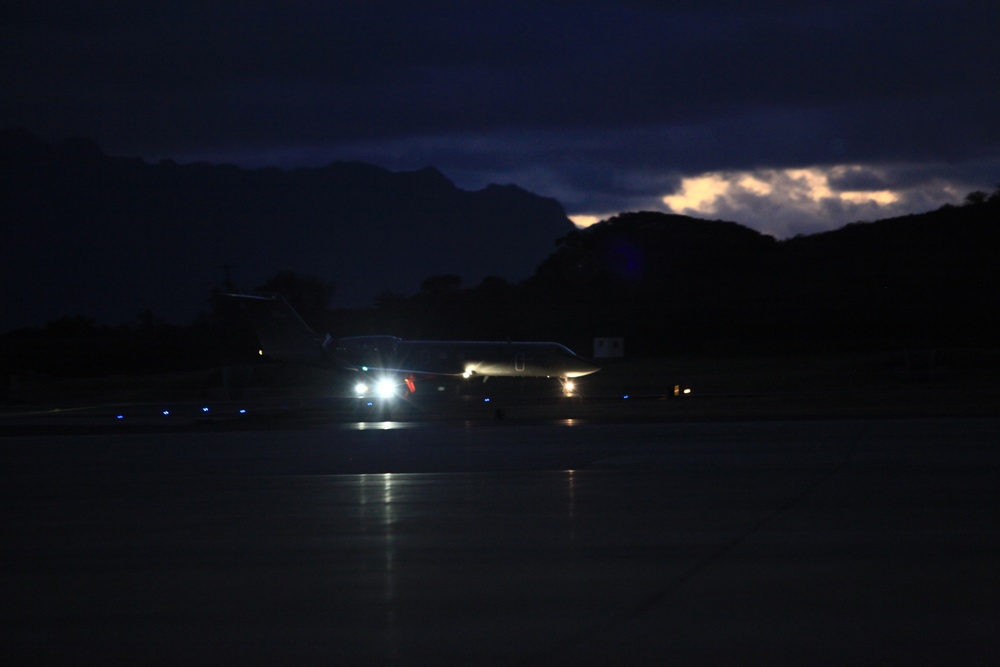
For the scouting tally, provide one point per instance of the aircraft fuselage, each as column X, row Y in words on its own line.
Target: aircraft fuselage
column 465, row 358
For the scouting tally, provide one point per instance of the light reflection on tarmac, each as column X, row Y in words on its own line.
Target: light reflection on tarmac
column 812, row 542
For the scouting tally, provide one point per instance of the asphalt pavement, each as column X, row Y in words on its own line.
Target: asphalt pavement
column 502, row 542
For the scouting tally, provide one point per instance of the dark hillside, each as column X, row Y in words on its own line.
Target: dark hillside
column 108, row 237
column 660, row 280
column 680, row 284
column 919, row 278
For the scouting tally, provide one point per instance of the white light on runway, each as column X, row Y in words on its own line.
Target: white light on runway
column 380, row 426
column 385, row 388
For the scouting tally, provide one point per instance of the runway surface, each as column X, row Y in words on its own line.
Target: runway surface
column 498, row 542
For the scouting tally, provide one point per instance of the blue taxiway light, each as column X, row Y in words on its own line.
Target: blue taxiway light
column 166, row 413
column 243, row 411
column 486, row 400
column 204, row 409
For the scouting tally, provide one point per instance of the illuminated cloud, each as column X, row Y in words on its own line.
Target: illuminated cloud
column 582, row 221
column 786, row 202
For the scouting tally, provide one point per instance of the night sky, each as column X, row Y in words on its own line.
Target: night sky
column 789, row 117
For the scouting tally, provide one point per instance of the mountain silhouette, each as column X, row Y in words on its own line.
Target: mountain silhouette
column 110, row 237
column 673, row 283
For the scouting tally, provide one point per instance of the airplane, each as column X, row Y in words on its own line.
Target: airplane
column 387, row 363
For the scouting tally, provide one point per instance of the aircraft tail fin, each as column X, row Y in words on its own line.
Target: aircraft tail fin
column 283, row 335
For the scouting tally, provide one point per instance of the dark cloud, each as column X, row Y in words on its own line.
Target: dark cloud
column 604, row 105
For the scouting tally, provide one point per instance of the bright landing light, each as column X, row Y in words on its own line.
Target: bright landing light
column 385, row 388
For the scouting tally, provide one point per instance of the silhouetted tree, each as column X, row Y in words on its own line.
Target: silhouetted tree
column 75, row 326
column 147, row 321
column 441, row 284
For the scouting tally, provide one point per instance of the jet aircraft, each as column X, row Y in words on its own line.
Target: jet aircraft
column 387, row 362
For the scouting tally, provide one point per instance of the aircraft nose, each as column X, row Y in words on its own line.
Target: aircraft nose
column 584, row 367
